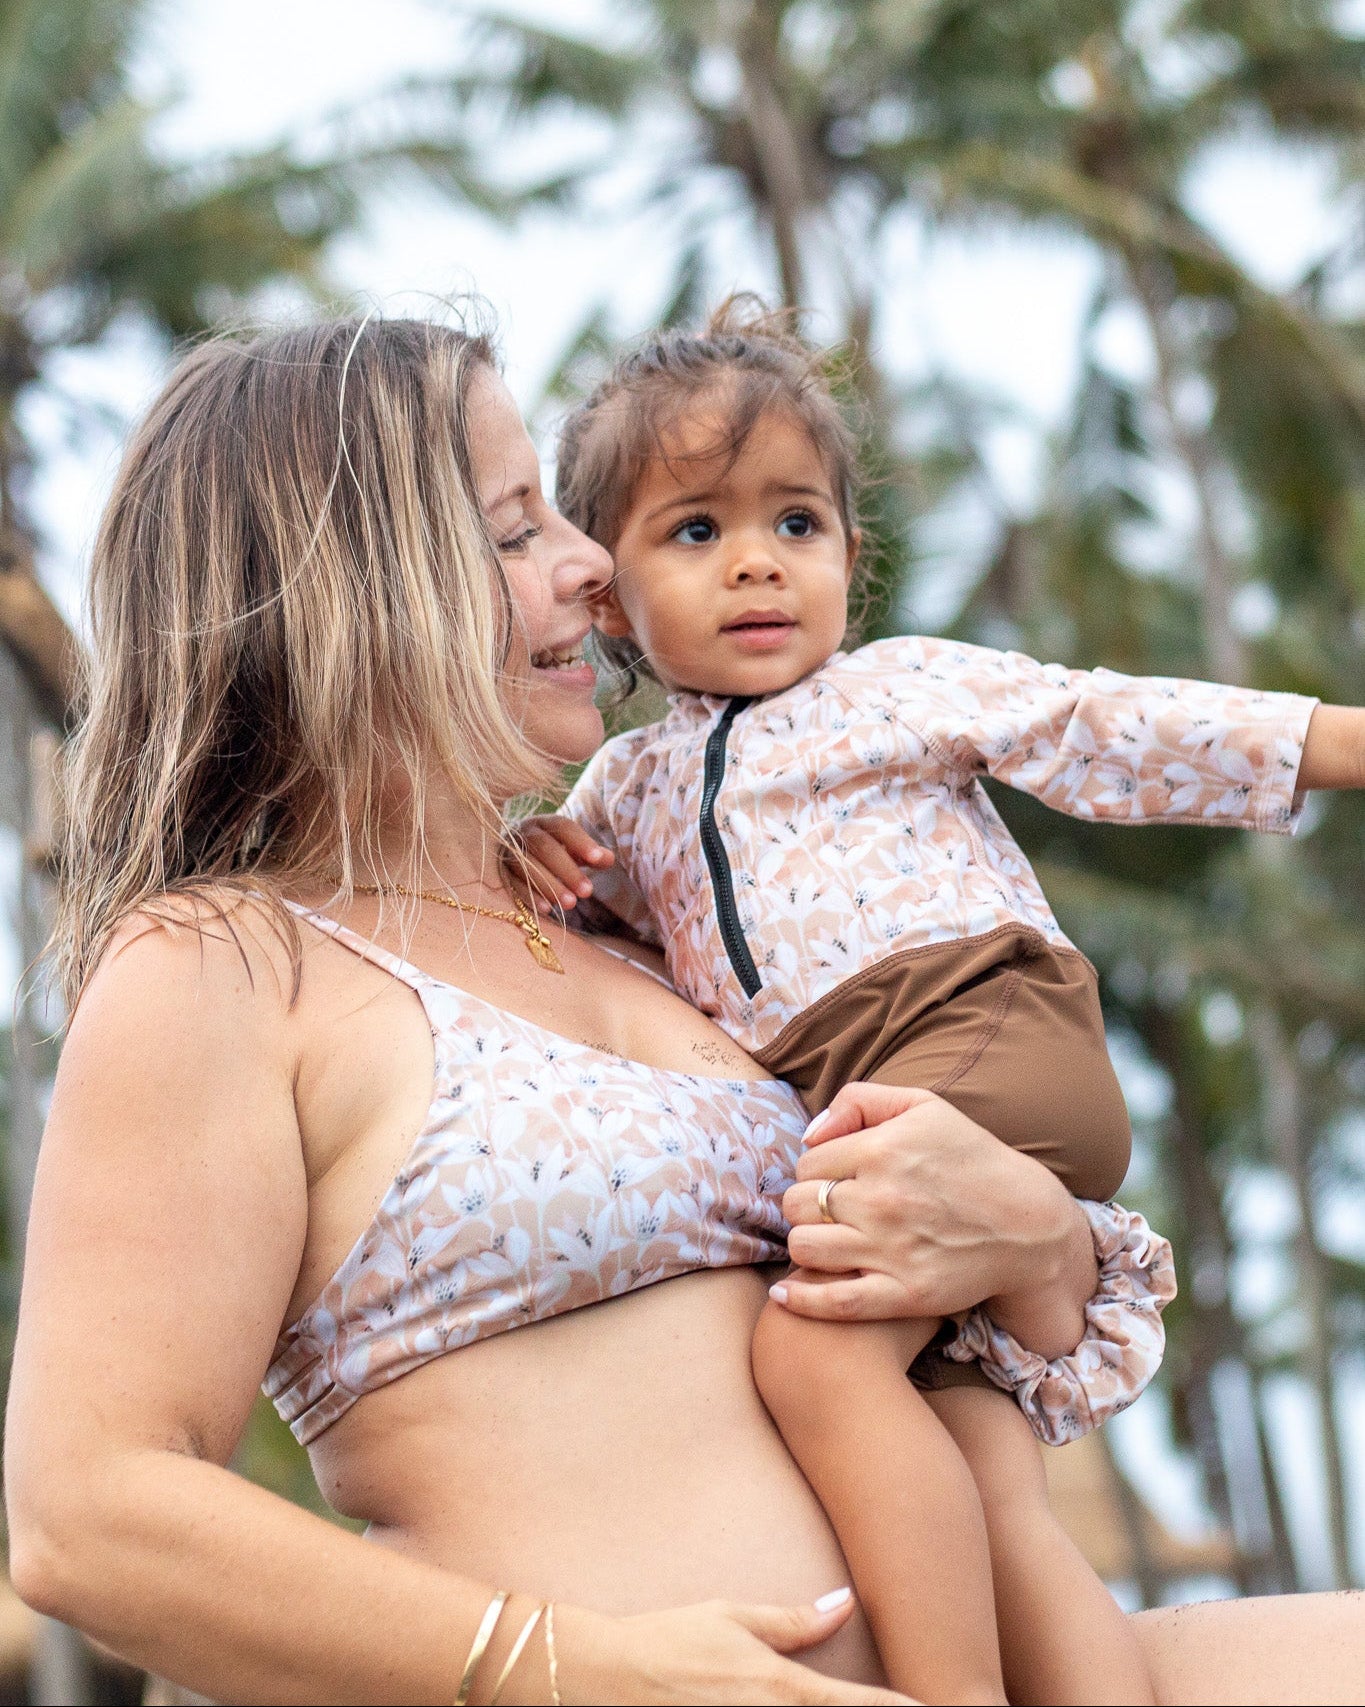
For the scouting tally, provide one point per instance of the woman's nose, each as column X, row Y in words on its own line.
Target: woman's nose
column 584, row 566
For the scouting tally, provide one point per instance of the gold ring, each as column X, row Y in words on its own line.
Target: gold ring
column 822, row 1198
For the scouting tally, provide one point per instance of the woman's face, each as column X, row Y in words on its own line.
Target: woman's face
column 552, row 570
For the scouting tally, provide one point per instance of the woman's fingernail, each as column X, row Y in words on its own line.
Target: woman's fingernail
column 597, row 855
column 585, row 888
column 835, row 1597
column 778, row 1293
column 815, row 1126
column 567, row 900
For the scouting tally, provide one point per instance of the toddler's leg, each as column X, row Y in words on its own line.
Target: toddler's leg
column 1063, row 1639
column 900, row 1496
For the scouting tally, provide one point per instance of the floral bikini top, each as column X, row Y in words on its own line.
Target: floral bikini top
column 547, row 1175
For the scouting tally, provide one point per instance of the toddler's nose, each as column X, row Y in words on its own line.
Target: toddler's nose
column 756, row 569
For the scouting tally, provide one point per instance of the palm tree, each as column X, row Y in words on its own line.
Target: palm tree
column 98, row 225
column 816, row 127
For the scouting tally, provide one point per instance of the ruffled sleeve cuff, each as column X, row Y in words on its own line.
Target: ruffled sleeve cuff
column 1123, row 1344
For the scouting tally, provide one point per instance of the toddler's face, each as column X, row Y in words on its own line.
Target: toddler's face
column 732, row 580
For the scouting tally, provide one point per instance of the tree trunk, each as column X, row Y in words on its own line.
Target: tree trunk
column 776, row 143
column 61, row 1669
column 1222, row 644
column 1147, row 1572
column 1287, row 1125
column 30, row 624
column 1225, row 1416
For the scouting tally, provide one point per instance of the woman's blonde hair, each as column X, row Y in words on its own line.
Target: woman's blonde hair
column 293, row 591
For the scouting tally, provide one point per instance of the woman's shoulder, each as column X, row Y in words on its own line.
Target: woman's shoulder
column 182, row 1045
column 184, row 959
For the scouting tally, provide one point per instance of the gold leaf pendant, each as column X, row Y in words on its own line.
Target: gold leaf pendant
column 542, row 949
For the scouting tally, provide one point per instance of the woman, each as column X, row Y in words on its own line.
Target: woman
column 336, row 628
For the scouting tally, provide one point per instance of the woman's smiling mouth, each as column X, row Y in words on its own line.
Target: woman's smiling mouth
column 565, row 665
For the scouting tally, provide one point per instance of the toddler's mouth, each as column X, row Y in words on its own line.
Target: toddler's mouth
column 760, row 629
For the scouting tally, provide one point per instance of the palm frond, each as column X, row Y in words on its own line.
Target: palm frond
column 95, row 182
column 59, row 61
column 529, row 69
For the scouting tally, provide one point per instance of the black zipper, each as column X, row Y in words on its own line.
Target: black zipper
column 717, row 862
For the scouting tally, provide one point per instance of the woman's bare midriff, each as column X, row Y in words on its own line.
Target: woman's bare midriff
column 617, row 1457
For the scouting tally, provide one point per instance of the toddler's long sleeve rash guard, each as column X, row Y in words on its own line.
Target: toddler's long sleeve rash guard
column 778, row 846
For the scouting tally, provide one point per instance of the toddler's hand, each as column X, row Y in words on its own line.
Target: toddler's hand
column 554, row 852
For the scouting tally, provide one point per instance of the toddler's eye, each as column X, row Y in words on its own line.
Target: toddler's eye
column 800, row 524
column 696, row 530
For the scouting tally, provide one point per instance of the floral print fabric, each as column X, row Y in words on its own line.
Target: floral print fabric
column 547, row 1175
column 1123, row 1344
column 856, row 827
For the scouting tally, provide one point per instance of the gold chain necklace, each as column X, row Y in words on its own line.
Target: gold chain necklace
column 542, row 949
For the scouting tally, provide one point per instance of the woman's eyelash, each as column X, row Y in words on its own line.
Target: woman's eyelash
column 519, row 541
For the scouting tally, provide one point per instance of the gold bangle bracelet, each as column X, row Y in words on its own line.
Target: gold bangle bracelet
column 479, row 1647
column 518, row 1647
column 552, row 1655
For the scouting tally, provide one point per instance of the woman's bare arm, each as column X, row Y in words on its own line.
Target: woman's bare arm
column 167, row 1226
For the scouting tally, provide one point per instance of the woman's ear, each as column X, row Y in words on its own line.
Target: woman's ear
column 607, row 613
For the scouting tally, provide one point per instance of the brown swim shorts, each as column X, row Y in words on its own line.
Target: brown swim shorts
column 1006, row 1026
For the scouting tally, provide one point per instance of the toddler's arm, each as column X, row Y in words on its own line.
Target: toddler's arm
column 556, row 862
column 1128, row 749
column 1334, row 748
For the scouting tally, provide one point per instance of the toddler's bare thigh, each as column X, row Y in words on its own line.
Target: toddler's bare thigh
column 991, row 1433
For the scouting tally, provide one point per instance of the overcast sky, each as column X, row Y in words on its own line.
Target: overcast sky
column 999, row 310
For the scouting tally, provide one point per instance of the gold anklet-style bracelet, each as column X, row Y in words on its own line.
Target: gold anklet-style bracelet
column 551, row 1654
column 523, row 1637
column 479, row 1646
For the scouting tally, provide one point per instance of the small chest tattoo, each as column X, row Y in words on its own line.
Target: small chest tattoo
column 716, row 1054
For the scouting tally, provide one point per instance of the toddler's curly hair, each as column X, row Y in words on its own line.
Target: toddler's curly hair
column 747, row 360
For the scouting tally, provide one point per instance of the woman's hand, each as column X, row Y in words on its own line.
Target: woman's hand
column 718, row 1651
column 549, row 860
column 933, row 1215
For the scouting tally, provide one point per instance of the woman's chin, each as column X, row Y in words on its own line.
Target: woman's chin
column 568, row 730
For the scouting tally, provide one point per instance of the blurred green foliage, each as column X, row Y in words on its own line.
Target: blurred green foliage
column 1234, row 968
column 100, row 227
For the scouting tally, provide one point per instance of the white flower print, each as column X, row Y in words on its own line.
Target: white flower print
column 1124, row 1336
column 555, row 1178
column 851, row 798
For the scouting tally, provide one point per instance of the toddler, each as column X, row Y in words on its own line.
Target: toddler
column 805, row 835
